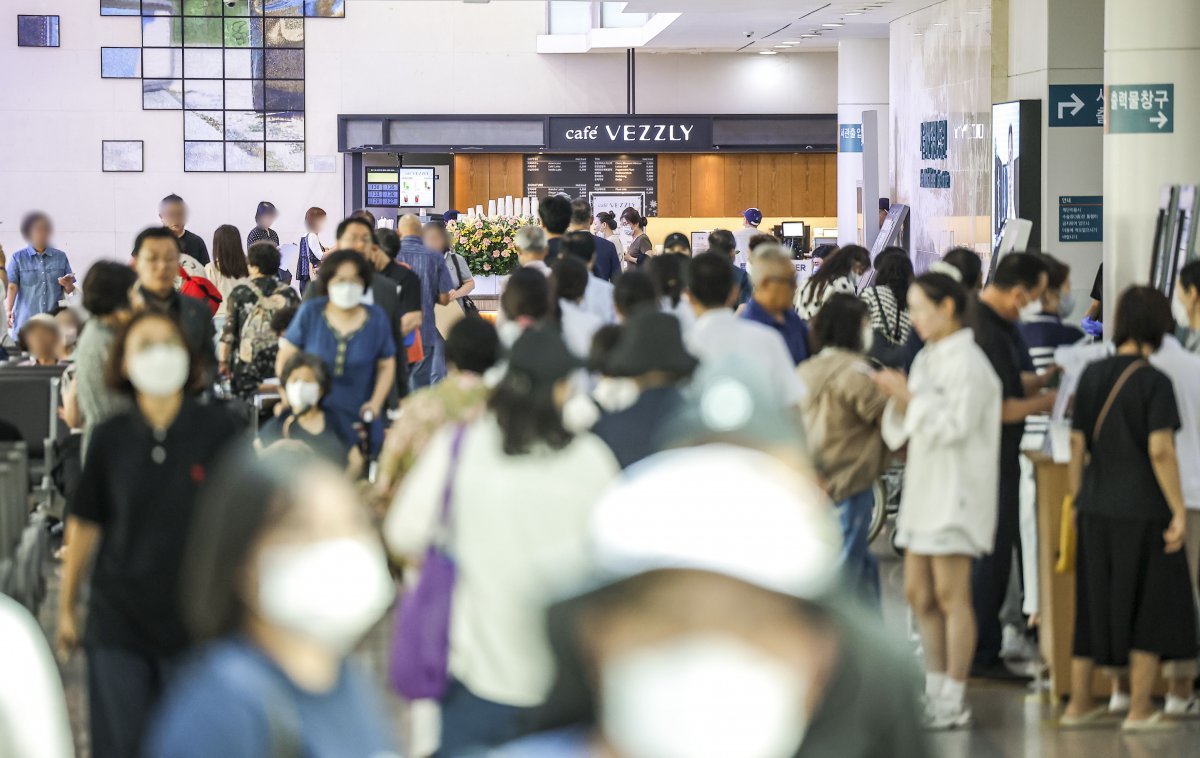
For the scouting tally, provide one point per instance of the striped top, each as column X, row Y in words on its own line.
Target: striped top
column 1043, row 335
column 886, row 317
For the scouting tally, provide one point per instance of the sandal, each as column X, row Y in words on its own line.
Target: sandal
column 1096, row 718
column 1156, row 723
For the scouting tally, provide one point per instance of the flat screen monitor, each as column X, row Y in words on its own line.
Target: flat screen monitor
column 407, row 187
column 793, row 228
column 818, row 241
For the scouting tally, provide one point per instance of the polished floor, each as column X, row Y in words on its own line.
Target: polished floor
column 1010, row 721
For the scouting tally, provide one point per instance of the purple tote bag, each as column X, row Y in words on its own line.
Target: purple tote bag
column 421, row 641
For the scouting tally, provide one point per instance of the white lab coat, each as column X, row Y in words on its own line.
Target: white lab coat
column 952, row 427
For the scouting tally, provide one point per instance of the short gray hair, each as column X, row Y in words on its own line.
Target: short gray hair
column 768, row 260
column 530, row 239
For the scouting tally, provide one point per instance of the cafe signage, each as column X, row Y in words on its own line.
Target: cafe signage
column 631, row 133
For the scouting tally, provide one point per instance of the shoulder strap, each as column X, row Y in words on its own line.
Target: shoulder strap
column 443, row 528
column 1112, row 396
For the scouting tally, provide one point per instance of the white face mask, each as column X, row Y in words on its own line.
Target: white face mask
column 1066, row 305
column 159, row 370
column 302, row 395
column 1032, row 309
column 1179, row 311
column 331, row 591
column 703, row 697
column 868, row 338
column 579, row 414
column 346, row 294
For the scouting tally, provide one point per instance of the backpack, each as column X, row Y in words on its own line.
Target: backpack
column 200, row 288
column 257, row 334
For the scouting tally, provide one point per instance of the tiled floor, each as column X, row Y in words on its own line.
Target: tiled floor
column 1009, row 724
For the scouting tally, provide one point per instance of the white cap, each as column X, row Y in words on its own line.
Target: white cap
column 719, row 508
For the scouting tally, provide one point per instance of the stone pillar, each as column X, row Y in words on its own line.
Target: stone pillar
column 862, row 86
column 1147, row 42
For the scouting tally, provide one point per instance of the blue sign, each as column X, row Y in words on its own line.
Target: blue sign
column 1080, row 218
column 850, row 138
column 1076, row 105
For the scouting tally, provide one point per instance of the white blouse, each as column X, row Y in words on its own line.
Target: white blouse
column 952, row 427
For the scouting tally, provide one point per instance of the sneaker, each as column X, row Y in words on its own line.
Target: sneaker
column 1012, row 643
column 1118, row 703
column 1182, row 707
column 941, row 717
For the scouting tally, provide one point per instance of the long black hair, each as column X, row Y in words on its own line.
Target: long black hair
column 835, row 266
column 894, row 270
column 669, row 273
column 527, row 414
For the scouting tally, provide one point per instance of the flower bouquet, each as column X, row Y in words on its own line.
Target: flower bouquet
column 487, row 243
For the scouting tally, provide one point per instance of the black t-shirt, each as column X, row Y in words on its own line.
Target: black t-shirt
column 409, row 283
column 141, row 489
column 1119, row 481
column 193, row 245
column 552, row 246
column 1098, row 290
column 1001, row 342
column 327, row 444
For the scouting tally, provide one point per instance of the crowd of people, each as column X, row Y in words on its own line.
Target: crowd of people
column 628, row 515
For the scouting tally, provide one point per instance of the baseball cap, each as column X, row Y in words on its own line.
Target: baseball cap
column 719, row 508
column 753, row 215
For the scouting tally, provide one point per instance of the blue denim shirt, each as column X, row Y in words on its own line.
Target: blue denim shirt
column 36, row 276
column 793, row 329
column 435, row 280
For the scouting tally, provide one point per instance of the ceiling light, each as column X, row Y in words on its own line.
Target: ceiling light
column 767, row 52
column 832, row 25
column 782, row 47
column 939, row 24
column 852, row 13
column 809, row 36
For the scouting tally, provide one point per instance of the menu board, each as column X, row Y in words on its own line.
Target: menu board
column 408, row 187
column 585, row 176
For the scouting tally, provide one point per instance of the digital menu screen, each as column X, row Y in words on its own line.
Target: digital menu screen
column 408, row 187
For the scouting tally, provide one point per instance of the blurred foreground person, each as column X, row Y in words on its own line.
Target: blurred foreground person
column 282, row 576
column 948, row 413
column 133, row 511
column 33, row 711
column 708, row 631
column 518, row 488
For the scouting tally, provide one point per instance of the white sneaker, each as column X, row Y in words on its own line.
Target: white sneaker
column 1118, row 703
column 942, row 717
column 1182, row 707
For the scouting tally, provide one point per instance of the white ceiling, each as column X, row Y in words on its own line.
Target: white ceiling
column 757, row 25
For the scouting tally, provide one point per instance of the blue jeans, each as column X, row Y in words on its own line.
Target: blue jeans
column 432, row 368
column 471, row 725
column 859, row 567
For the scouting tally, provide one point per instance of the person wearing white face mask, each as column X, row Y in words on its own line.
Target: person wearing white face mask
column 133, row 512
column 522, row 488
column 305, row 380
column 1186, row 306
column 843, row 414
column 282, row 577
column 705, row 631
column 69, row 325
column 354, row 340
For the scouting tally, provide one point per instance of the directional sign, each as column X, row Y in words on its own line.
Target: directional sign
column 1080, row 218
column 1076, row 105
column 1141, row 108
column 850, row 138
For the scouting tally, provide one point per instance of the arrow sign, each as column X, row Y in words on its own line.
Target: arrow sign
column 1078, row 105
column 1140, row 108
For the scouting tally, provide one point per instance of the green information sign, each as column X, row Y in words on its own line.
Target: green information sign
column 1141, row 108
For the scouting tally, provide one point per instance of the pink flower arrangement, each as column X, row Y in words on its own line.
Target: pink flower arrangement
column 487, row 243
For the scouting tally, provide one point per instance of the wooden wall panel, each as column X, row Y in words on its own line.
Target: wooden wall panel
column 741, row 183
column 708, row 185
column 675, row 185
column 689, row 185
column 774, row 193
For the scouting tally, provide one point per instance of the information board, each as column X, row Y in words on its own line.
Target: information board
column 586, row 176
column 1080, row 218
column 408, row 187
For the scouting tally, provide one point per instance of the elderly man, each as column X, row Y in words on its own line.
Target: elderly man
column 173, row 213
column 531, row 245
column 774, row 279
column 435, row 290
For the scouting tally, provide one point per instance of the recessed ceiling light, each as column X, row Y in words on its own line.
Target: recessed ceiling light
column 939, row 24
column 782, row 47
column 832, row 25
column 809, row 36
column 852, row 13
column 767, row 52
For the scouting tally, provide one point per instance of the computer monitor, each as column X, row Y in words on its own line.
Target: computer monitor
column 793, row 228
